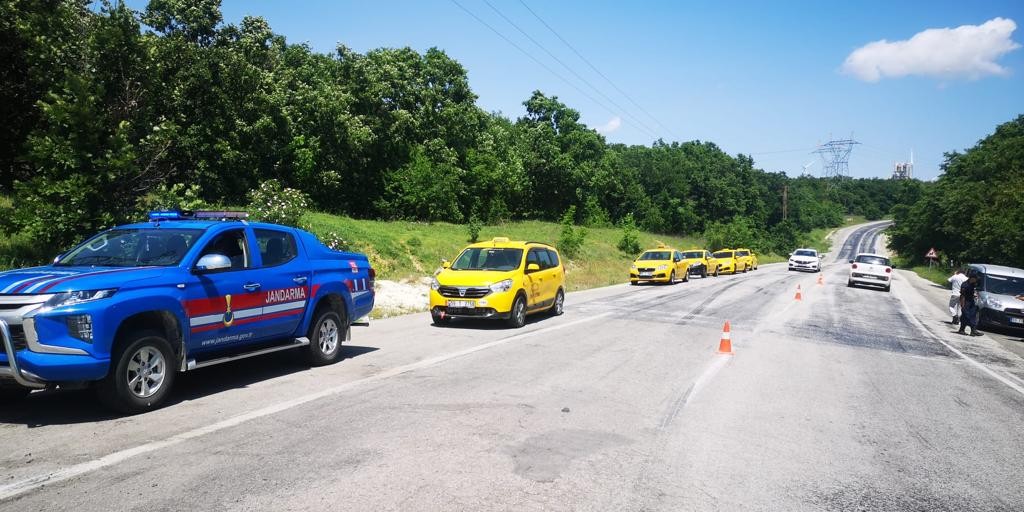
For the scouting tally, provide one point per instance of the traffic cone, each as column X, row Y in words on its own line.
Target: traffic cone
column 725, row 345
column 798, row 296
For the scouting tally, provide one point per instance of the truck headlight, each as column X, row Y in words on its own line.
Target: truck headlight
column 501, row 286
column 434, row 284
column 662, row 267
column 78, row 297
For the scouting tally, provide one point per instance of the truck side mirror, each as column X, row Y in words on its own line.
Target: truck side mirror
column 212, row 263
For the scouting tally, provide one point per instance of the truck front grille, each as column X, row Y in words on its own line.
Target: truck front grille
column 18, row 337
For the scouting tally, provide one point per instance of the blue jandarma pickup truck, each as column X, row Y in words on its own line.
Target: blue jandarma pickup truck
column 134, row 305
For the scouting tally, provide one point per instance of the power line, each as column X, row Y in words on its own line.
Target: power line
column 528, row 54
column 570, row 69
column 598, row 71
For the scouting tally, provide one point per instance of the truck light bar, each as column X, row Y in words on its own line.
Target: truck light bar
column 165, row 215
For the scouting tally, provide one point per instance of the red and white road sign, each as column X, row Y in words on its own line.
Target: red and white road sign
column 932, row 255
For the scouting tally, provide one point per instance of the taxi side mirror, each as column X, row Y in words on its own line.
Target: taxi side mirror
column 532, row 267
column 445, row 264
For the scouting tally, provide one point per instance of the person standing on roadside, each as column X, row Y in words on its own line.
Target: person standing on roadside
column 969, row 305
column 955, row 281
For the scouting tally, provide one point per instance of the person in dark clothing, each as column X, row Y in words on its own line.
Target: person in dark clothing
column 969, row 306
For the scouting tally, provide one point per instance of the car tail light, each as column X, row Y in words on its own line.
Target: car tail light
column 854, row 265
column 888, row 270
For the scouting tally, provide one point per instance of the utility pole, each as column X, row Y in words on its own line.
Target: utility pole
column 785, row 202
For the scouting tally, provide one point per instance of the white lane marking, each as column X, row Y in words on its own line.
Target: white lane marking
column 720, row 361
column 992, row 373
column 1014, row 377
column 17, row 488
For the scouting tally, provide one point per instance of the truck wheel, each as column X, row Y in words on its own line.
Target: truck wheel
column 325, row 336
column 13, row 394
column 142, row 374
column 517, row 317
column 559, row 306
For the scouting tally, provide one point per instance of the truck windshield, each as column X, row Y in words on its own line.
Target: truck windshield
column 488, row 258
column 1004, row 285
column 133, row 248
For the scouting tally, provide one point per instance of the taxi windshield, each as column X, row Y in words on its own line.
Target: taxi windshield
column 133, row 248
column 488, row 258
column 723, row 254
column 655, row 256
column 692, row 255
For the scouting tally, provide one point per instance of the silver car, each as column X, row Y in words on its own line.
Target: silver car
column 805, row 259
column 998, row 291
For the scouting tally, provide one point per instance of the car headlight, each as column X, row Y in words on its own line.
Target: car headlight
column 662, row 267
column 632, row 267
column 501, row 286
column 434, row 284
column 992, row 303
column 78, row 297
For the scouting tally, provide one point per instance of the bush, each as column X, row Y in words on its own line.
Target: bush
column 473, row 227
column 278, row 205
column 629, row 243
column 571, row 240
column 334, row 241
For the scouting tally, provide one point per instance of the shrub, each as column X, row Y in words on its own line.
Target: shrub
column 276, row 204
column 334, row 241
column 473, row 227
column 629, row 243
column 571, row 240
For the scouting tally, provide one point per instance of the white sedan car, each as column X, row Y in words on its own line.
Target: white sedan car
column 870, row 269
column 805, row 259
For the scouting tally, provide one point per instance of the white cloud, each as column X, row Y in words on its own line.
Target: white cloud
column 967, row 51
column 609, row 127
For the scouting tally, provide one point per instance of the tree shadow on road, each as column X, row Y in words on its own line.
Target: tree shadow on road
column 67, row 407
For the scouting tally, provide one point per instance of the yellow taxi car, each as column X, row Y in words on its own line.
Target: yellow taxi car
column 661, row 265
column 748, row 258
column 730, row 262
column 499, row 279
column 701, row 262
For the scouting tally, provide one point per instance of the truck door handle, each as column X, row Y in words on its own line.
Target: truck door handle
column 251, row 286
column 300, row 280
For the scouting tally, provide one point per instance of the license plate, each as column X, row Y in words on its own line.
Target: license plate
column 1014, row 320
column 646, row 274
column 465, row 304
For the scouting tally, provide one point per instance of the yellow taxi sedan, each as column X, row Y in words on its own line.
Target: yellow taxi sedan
column 661, row 265
column 701, row 262
column 729, row 261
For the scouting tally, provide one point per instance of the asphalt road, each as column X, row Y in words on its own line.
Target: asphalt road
column 849, row 399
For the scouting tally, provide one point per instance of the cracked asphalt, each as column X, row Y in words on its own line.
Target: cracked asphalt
column 849, row 399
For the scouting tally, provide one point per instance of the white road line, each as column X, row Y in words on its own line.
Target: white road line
column 992, row 373
column 1014, row 377
column 17, row 488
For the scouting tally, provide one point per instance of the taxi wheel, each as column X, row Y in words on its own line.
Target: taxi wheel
column 704, row 273
column 672, row 277
column 716, row 272
column 517, row 316
column 559, row 306
column 686, row 276
column 439, row 319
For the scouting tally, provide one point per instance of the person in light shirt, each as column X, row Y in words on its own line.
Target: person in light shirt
column 955, row 281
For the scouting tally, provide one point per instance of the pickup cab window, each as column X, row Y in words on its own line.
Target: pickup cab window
column 276, row 247
column 232, row 244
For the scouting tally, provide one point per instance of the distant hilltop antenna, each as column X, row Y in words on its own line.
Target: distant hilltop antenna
column 904, row 170
column 835, row 157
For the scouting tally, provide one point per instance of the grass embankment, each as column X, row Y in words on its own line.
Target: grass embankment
column 414, row 249
column 936, row 274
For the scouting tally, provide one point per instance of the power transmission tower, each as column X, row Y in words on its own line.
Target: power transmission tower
column 835, row 158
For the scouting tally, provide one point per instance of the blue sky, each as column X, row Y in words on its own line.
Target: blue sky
column 765, row 78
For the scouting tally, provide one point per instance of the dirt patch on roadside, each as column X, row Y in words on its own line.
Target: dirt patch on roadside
column 400, row 297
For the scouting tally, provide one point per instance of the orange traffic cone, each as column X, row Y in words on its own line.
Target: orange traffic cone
column 725, row 346
column 798, row 296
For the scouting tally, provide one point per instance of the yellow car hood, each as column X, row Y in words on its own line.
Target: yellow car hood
column 478, row 278
column 653, row 263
